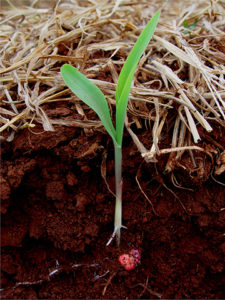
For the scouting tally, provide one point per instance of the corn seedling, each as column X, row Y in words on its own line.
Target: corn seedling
column 90, row 94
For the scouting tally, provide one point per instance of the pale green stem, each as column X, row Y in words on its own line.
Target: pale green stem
column 118, row 178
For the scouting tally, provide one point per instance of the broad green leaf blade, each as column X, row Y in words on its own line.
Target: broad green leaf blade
column 90, row 94
column 127, row 73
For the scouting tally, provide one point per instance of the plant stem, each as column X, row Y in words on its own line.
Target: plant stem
column 118, row 178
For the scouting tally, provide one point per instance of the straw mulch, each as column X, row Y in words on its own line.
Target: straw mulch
column 179, row 84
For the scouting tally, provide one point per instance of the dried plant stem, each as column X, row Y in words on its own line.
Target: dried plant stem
column 165, row 151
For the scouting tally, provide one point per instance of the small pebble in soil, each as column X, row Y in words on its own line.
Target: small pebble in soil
column 131, row 260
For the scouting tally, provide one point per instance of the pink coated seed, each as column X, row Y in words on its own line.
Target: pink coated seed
column 136, row 254
column 127, row 261
column 130, row 261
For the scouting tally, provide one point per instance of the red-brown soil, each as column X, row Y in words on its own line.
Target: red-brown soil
column 57, row 216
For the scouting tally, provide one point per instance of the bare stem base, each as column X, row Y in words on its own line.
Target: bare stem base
column 118, row 206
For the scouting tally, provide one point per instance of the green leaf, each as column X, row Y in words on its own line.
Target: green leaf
column 191, row 26
column 127, row 73
column 90, row 94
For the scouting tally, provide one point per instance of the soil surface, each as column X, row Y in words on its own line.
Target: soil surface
column 57, row 216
